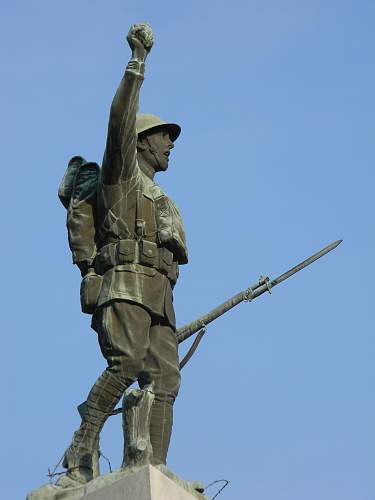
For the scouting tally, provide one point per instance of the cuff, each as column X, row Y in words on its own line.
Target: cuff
column 136, row 67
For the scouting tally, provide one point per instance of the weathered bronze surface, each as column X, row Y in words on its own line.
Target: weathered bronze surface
column 127, row 238
column 136, row 406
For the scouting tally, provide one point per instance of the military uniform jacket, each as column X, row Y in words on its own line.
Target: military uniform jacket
column 127, row 196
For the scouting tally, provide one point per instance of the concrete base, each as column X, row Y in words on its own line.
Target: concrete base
column 143, row 483
column 146, row 484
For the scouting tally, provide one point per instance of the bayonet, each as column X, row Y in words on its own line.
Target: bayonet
column 264, row 284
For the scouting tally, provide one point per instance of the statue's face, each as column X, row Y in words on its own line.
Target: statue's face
column 157, row 146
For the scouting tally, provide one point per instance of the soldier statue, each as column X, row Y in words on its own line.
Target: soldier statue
column 127, row 239
column 127, row 282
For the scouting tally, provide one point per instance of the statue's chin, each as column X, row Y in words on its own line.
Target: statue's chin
column 162, row 167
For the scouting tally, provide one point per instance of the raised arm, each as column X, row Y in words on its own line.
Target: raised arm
column 120, row 157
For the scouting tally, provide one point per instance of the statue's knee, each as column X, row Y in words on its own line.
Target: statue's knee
column 125, row 369
column 166, row 387
column 167, row 393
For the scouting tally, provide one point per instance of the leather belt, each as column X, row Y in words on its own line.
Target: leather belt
column 130, row 251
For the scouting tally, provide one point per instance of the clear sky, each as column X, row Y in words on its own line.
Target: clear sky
column 275, row 161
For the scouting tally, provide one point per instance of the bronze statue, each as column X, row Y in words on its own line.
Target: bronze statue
column 129, row 264
column 128, row 240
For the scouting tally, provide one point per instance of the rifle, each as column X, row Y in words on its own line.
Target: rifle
column 264, row 284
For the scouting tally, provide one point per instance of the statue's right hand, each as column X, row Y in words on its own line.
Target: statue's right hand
column 140, row 39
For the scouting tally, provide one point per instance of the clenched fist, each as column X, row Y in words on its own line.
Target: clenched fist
column 140, row 39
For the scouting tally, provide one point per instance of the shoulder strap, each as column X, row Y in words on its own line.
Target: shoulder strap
column 139, row 218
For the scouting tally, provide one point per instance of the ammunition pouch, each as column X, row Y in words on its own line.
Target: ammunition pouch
column 90, row 290
column 143, row 252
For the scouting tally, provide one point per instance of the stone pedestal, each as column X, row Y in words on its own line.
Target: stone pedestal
column 141, row 483
column 147, row 483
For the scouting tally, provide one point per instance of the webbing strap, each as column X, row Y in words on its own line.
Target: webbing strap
column 139, row 220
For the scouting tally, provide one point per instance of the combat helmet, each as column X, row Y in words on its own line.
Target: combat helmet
column 146, row 121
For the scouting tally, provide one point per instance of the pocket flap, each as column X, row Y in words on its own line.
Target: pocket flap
column 136, row 269
column 149, row 249
column 126, row 247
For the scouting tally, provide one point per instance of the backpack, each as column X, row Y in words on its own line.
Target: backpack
column 78, row 194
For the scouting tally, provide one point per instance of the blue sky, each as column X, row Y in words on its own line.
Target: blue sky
column 275, row 161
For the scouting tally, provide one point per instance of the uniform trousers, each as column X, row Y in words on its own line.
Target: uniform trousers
column 137, row 346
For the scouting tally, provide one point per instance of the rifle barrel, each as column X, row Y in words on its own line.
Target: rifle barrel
column 188, row 330
column 263, row 285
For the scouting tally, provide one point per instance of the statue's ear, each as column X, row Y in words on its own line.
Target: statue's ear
column 141, row 144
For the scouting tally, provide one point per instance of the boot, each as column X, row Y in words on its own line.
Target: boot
column 101, row 400
column 78, row 463
column 160, row 434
